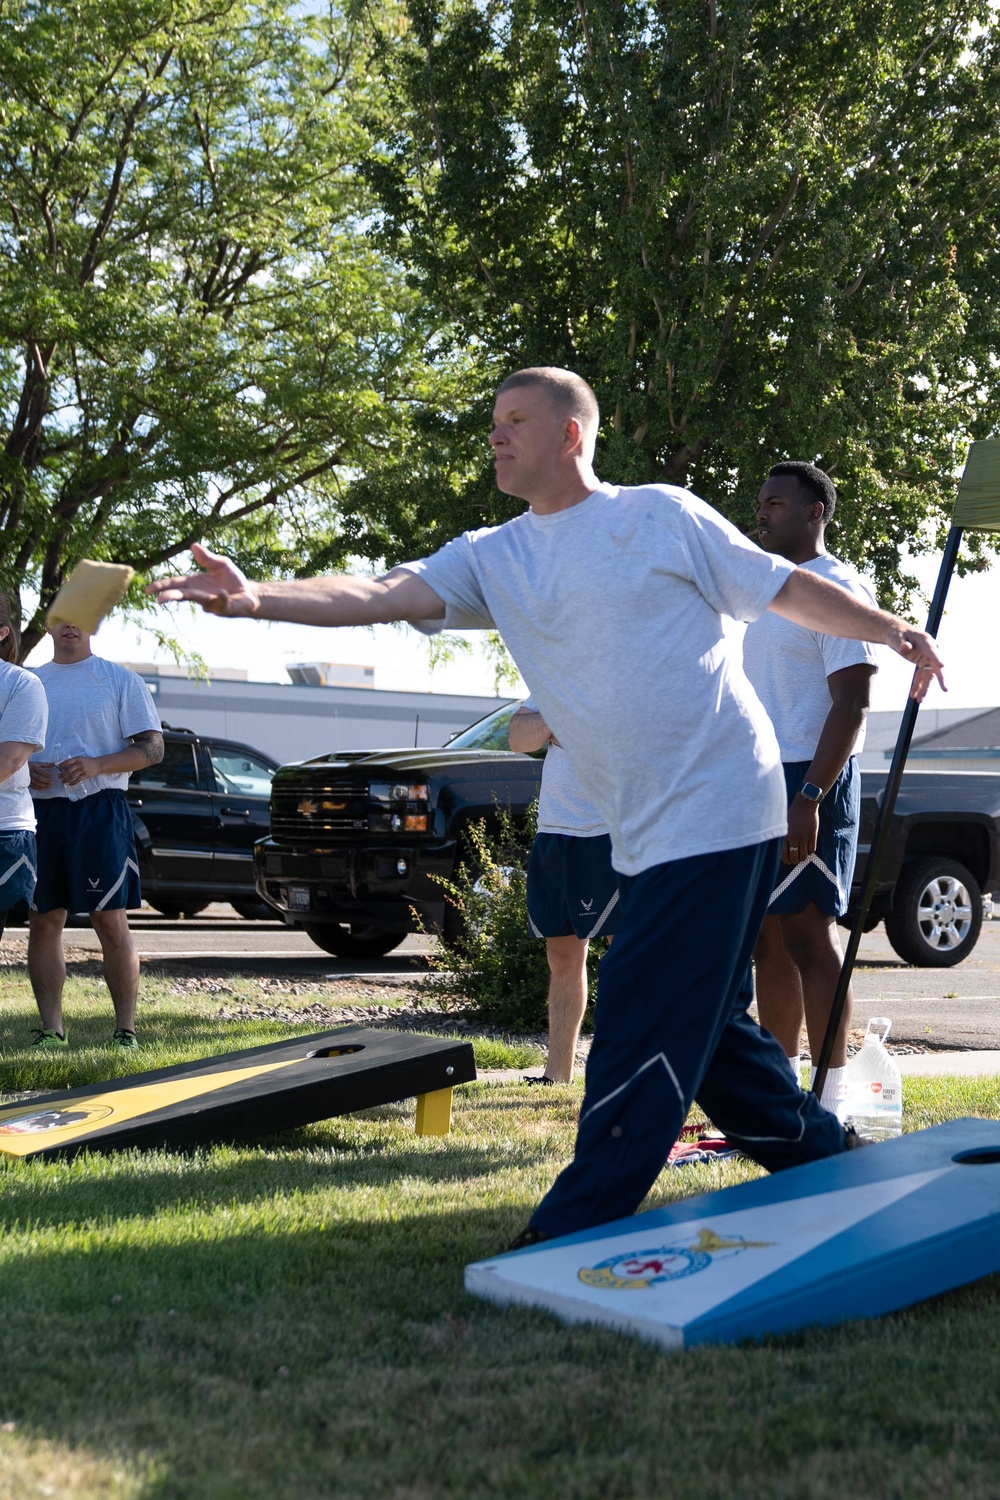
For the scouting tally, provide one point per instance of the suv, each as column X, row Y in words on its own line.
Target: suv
column 197, row 816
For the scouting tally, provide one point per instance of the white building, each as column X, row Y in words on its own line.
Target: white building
column 883, row 727
column 295, row 721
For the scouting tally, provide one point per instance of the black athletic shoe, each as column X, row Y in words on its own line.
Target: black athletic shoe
column 852, row 1140
column 534, row 1078
column 529, row 1236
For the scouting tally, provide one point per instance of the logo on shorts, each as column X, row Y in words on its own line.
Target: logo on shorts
column 587, row 906
column 41, row 1121
column 95, row 885
column 636, row 1270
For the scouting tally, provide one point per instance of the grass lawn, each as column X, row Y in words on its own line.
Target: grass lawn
column 288, row 1320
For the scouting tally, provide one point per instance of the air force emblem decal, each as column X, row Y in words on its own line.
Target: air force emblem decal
column 637, row 1270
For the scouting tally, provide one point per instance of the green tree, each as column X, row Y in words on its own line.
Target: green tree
column 762, row 230
column 197, row 335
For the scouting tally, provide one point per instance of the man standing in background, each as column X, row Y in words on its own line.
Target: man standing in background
column 23, row 716
column 572, row 887
column 102, row 725
column 815, row 688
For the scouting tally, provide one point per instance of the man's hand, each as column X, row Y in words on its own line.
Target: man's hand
column 41, row 774
column 221, row 589
column 819, row 604
column 803, row 831
column 77, row 768
column 920, row 648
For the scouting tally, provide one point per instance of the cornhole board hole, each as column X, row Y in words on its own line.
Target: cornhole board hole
column 245, row 1095
column 854, row 1236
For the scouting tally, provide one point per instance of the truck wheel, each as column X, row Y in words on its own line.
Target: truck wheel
column 937, row 914
column 353, row 942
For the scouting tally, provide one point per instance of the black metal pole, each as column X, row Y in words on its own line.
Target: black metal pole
column 883, row 822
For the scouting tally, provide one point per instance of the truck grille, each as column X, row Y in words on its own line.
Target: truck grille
column 306, row 813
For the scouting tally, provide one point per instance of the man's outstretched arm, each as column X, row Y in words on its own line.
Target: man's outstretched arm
column 222, row 589
column 814, row 602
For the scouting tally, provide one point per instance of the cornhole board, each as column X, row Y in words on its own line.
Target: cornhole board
column 854, row 1236
column 244, row 1095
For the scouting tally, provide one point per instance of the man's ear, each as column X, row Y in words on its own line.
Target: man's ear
column 573, row 432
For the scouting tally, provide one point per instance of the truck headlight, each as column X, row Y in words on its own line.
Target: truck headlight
column 399, row 791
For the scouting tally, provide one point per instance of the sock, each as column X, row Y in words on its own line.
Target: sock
column 795, row 1063
column 834, row 1095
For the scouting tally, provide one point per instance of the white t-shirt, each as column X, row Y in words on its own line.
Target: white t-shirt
column 788, row 666
column 613, row 611
column 23, row 715
column 95, row 708
column 563, row 805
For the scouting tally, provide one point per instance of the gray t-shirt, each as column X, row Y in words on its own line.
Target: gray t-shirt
column 613, row 611
column 95, row 708
column 23, row 715
column 788, row 666
column 563, row 805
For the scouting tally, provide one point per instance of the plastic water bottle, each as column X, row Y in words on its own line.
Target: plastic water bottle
column 874, row 1086
column 60, row 753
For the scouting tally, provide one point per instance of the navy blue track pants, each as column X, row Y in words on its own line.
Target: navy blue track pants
column 672, row 1026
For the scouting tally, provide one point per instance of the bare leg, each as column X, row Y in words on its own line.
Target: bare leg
column 813, row 944
column 567, row 958
column 47, row 965
column 779, row 987
column 121, row 963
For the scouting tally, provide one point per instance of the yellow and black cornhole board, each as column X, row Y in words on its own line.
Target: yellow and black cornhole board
column 242, row 1096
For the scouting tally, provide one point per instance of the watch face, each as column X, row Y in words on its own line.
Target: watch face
column 811, row 792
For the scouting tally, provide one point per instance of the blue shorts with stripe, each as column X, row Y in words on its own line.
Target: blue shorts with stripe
column 825, row 877
column 18, row 867
column 86, row 854
column 572, row 887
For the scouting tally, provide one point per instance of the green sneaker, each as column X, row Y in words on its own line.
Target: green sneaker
column 46, row 1037
column 124, row 1038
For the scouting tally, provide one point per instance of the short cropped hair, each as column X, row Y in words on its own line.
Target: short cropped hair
column 10, row 646
column 569, row 393
column 819, row 484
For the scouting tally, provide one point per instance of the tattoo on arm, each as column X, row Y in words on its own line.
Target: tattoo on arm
column 150, row 742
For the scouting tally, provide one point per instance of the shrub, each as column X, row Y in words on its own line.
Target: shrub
column 494, row 965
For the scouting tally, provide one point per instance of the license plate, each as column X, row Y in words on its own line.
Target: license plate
column 298, row 898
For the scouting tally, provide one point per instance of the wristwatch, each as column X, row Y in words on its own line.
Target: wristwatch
column 811, row 792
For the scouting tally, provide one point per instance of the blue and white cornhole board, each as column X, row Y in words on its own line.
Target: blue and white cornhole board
column 854, row 1236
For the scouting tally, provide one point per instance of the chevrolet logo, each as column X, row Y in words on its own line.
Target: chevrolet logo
column 307, row 809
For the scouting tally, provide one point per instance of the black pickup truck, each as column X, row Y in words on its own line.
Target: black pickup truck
column 357, row 840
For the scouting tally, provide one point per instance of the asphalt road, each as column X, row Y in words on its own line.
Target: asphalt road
column 947, row 1008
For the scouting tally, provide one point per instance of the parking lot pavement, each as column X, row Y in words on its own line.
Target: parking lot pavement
column 217, row 937
column 937, row 1008
column 957, row 1007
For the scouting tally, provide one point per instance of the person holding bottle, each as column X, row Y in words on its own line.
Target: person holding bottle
column 102, row 725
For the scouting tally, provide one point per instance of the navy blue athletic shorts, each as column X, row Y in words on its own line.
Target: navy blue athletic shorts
column 572, row 888
column 825, row 877
column 18, row 867
column 86, row 854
